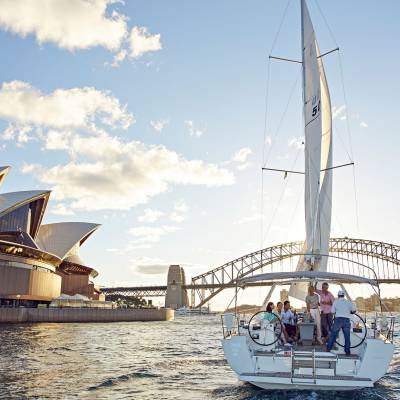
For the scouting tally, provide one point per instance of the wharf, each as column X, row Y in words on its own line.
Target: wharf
column 23, row 315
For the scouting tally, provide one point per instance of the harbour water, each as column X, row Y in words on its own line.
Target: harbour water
column 179, row 359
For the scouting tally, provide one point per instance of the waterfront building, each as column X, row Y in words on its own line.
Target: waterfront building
column 64, row 239
column 38, row 262
column 284, row 295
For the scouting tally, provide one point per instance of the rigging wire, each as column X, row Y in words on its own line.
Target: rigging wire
column 281, row 197
column 266, row 118
column 291, row 93
column 347, row 115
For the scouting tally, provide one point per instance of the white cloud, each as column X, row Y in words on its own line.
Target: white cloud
column 180, row 211
column 119, row 57
column 150, row 234
column 70, row 24
column 61, row 209
column 363, row 124
column 241, row 155
column 181, row 206
column 268, row 140
column 64, row 108
column 141, row 41
column 151, row 266
column 175, row 217
column 242, row 167
column 250, row 218
column 150, row 215
column 193, row 131
column 108, row 173
column 23, row 136
column 296, row 142
column 57, row 140
column 8, row 133
column 104, row 171
column 159, row 125
column 338, row 112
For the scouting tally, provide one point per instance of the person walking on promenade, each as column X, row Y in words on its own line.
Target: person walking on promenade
column 342, row 308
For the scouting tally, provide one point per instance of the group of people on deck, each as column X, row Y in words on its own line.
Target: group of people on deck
column 330, row 315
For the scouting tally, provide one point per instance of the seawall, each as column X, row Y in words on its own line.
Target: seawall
column 21, row 315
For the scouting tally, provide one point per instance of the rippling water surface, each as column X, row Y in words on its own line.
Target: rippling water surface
column 180, row 359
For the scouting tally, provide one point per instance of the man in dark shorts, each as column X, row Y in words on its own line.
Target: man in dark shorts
column 288, row 319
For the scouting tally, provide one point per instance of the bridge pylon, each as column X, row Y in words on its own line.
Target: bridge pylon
column 177, row 295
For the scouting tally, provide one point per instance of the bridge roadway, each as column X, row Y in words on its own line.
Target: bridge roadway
column 161, row 291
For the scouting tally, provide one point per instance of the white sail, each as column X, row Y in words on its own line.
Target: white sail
column 318, row 155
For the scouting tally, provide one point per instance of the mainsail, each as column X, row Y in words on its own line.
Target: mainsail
column 318, row 155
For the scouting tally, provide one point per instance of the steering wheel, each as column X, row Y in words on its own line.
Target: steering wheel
column 278, row 329
column 364, row 327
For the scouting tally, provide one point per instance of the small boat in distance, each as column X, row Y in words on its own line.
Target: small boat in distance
column 194, row 311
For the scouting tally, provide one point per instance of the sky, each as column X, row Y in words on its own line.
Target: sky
column 149, row 118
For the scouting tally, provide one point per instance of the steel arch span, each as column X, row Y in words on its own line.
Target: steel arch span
column 383, row 260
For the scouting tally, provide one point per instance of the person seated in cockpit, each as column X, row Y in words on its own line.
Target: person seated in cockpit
column 273, row 318
column 288, row 320
column 269, row 314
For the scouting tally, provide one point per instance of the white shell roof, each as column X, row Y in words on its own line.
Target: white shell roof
column 13, row 200
column 60, row 238
column 3, row 173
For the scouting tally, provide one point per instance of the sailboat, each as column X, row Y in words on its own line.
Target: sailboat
column 253, row 348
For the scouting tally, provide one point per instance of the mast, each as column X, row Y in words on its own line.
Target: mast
column 317, row 154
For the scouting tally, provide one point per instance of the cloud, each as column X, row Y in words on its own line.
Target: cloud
column 8, row 133
column 159, row 125
column 181, row 206
column 103, row 171
column 175, row 217
column 268, row 140
column 119, row 57
column 141, row 42
column 338, row 112
column 69, row 24
column 57, row 140
column 192, row 130
column 106, row 172
column 242, row 167
column 157, row 266
column 150, row 234
column 150, row 266
column 150, row 215
column 61, row 209
column 296, row 142
column 63, row 108
column 250, row 218
column 363, row 124
column 241, row 155
column 180, row 211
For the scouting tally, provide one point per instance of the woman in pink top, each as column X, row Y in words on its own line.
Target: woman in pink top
column 326, row 300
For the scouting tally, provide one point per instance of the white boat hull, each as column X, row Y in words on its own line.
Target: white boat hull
column 332, row 371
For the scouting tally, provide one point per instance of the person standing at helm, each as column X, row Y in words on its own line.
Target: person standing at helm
column 326, row 300
column 342, row 308
column 312, row 302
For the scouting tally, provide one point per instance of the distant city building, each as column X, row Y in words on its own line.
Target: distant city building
column 39, row 262
column 284, row 295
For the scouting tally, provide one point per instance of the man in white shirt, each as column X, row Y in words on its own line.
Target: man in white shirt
column 287, row 318
column 342, row 309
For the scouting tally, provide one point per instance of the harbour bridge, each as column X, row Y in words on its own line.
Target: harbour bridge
column 372, row 259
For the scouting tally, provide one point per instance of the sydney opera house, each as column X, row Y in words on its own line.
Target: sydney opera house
column 39, row 261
